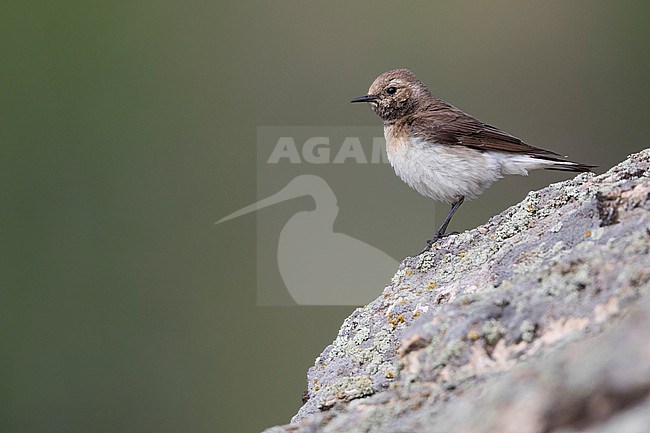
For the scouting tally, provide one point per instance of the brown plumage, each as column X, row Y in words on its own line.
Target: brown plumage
column 434, row 120
column 444, row 153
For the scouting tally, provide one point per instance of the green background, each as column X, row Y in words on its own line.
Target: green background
column 128, row 128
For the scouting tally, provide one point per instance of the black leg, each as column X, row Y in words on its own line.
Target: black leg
column 443, row 228
column 454, row 208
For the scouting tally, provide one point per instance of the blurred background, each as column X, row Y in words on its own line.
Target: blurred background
column 129, row 128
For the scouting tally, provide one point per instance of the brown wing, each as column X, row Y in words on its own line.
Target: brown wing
column 446, row 124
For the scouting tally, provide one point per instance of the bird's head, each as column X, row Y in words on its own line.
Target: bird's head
column 395, row 94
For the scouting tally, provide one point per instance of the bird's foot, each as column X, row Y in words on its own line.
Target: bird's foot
column 435, row 239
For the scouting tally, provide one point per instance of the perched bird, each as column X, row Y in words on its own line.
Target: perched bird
column 444, row 153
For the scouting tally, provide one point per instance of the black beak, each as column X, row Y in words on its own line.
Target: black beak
column 364, row 98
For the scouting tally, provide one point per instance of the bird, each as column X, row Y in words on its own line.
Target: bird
column 444, row 153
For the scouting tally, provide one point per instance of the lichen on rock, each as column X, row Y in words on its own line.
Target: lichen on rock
column 528, row 312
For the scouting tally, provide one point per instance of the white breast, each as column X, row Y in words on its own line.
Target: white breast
column 447, row 172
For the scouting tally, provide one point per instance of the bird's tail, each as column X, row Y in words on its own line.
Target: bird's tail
column 571, row 166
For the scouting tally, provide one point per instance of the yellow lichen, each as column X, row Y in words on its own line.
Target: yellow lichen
column 396, row 321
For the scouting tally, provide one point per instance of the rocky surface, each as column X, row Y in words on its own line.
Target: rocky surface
column 534, row 322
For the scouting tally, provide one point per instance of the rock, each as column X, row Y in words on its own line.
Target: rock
column 535, row 322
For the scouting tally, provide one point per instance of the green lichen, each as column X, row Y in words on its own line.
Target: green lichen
column 349, row 388
column 492, row 331
column 527, row 331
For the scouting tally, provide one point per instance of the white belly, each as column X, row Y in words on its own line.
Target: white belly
column 447, row 172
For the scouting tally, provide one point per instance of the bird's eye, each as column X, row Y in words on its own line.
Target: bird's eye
column 391, row 90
